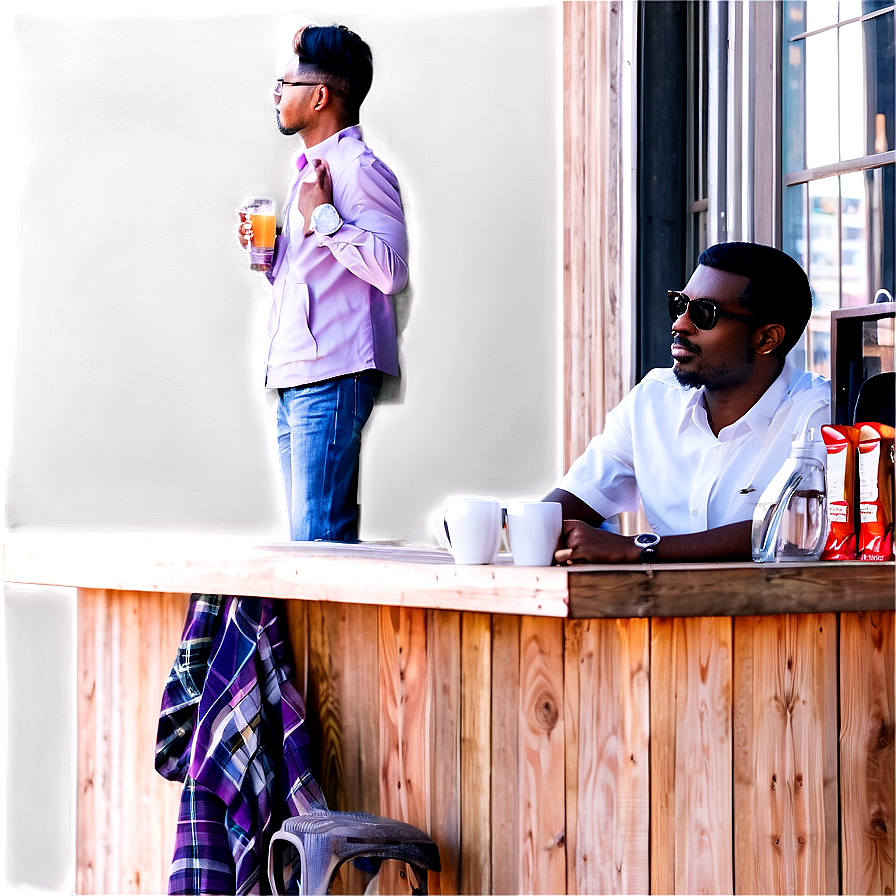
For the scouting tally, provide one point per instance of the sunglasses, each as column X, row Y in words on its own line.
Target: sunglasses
column 704, row 314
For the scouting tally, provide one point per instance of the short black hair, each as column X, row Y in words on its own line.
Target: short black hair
column 339, row 57
column 778, row 291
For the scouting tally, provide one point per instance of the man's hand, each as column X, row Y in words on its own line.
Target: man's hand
column 244, row 231
column 585, row 544
column 316, row 190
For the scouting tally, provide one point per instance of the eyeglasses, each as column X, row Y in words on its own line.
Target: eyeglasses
column 704, row 314
column 278, row 86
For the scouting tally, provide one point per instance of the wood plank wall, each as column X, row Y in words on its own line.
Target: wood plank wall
column 126, row 812
column 719, row 755
column 595, row 376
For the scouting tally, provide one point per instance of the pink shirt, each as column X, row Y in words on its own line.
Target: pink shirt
column 330, row 308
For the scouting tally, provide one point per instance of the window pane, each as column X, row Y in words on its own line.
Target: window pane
column 793, row 88
column 854, row 241
column 824, row 268
column 824, row 254
column 853, row 101
column 880, row 192
column 881, row 81
column 795, row 237
column 851, row 9
column 794, row 17
column 820, row 13
column 822, row 137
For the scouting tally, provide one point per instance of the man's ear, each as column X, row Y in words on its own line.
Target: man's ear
column 323, row 98
column 767, row 338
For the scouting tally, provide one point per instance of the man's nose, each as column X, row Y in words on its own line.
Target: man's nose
column 683, row 323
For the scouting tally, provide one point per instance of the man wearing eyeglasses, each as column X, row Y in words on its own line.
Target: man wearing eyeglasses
column 698, row 443
column 341, row 254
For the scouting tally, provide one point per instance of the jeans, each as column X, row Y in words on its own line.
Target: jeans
column 319, row 439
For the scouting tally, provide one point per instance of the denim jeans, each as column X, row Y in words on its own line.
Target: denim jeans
column 319, row 438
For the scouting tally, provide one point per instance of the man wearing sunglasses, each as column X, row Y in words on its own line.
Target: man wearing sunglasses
column 697, row 443
column 341, row 254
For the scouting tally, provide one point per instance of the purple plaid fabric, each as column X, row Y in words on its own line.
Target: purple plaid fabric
column 234, row 732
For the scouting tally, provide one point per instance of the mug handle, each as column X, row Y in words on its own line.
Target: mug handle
column 442, row 533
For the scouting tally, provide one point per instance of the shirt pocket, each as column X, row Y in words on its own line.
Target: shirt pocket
column 294, row 340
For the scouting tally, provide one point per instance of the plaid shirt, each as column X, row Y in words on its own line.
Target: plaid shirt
column 232, row 729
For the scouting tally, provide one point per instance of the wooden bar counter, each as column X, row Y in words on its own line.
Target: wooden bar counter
column 717, row 728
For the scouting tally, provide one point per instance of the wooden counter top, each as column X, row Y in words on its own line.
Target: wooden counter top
column 393, row 575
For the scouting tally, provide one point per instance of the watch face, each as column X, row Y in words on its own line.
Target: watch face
column 647, row 540
column 325, row 219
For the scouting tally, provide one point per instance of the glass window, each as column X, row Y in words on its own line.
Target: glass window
column 839, row 202
column 821, row 85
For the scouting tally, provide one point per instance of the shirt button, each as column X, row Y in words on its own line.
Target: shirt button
column 693, row 511
column 715, row 451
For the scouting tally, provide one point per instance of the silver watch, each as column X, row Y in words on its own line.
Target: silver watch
column 325, row 220
column 647, row 541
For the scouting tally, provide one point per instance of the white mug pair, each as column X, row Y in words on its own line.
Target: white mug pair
column 471, row 530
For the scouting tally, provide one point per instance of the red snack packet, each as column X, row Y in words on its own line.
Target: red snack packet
column 875, row 491
column 841, row 443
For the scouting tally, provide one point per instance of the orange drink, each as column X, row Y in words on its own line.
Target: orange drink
column 264, row 230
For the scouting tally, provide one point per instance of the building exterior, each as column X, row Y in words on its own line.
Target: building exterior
column 763, row 121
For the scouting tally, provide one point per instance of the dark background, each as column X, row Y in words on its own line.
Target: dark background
column 133, row 400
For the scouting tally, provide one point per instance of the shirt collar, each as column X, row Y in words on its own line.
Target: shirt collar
column 757, row 419
column 320, row 150
column 760, row 416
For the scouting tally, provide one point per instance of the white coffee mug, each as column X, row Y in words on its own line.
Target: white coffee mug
column 534, row 529
column 470, row 528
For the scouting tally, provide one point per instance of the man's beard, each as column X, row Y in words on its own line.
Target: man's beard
column 712, row 377
column 287, row 132
column 690, row 379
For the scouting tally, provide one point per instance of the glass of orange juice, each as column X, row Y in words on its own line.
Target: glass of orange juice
column 264, row 227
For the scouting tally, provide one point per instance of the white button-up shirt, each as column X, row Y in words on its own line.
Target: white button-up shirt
column 657, row 445
column 330, row 308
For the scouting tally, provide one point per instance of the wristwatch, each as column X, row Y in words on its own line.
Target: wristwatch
column 647, row 541
column 325, row 220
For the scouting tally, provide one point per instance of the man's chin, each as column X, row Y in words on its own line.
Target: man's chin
column 287, row 132
column 690, row 379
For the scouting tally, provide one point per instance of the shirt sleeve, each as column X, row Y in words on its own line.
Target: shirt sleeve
column 373, row 241
column 604, row 475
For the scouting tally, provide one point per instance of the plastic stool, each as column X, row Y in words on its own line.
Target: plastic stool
column 307, row 851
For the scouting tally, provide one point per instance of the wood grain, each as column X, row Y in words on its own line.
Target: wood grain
column 866, row 752
column 505, row 771
column 542, row 758
column 607, row 756
column 127, row 813
column 382, row 575
column 295, row 630
column 785, row 754
column 446, row 784
column 595, row 370
column 476, row 748
column 405, row 728
column 358, row 670
column 729, row 589
column 691, row 773
column 519, row 750
column 90, row 688
column 405, row 738
column 379, row 575
column 325, row 712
